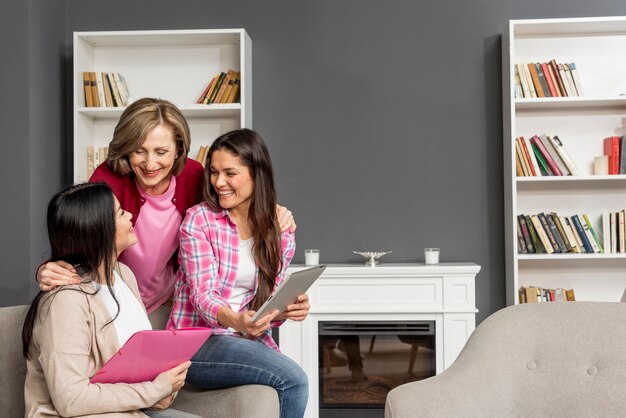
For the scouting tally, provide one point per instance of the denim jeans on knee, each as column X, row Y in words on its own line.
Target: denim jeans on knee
column 225, row 361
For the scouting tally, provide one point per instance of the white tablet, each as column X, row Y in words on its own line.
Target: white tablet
column 287, row 293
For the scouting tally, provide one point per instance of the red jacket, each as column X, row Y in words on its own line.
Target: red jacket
column 187, row 194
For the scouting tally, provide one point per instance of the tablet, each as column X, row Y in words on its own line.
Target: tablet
column 294, row 285
column 148, row 353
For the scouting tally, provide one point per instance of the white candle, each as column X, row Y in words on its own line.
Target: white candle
column 431, row 255
column 601, row 165
column 311, row 257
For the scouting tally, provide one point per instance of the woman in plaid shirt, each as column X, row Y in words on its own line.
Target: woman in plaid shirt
column 232, row 256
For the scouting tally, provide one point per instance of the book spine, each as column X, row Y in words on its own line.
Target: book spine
column 606, row 232
column 576, row 235
column 613, row 231
column 529, row 244
column 521, row 244
column 555, row 232
column 522, row 75
column 531, row 155
column 611, row 149
column 535, row 77
column 538, row 246
column 87, row 89
column 531, row 168
column 560, row 228
column 542, row 234
column 568, row 90
column 548, row 231
column 557, row 75
column 554, row 154
column 576, row 77
column 560, row 149
column 544, row 169
column 546, row 155
column 551, row 86
column 567, row 226
column 542, row 80
column 522, row 158
column 622, row 231
column 581, row 233
column 595, row 236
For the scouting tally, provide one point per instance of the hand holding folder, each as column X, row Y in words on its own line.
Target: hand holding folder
column 148, row 353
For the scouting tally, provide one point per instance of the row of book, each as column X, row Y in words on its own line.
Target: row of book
column 548, row 79
column 105, row 89
column 533, row 294
column 615, row 150
column 202, row 153
column 543, row 156
column 223, row 88
column 95, row 157
column 549, row 233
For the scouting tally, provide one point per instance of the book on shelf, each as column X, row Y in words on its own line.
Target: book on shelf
column 546, row 79
column 576, row 78
column 536, row 294
column 523, row 228
column 534, row 237
column 95, row 99
column 122, row 88
column 223, row 88
column 107, row 91
column 544, row 169
column 99, row 84
column 582, row 233
column 611, row 150
column 552, row 233
column 87, row 89
column 519, row 171
column 570, row 234
column 535, row 140
column 202, row 154
column 545, row 67
column 554, row 218
column 547, row 142
column 206, row 91
column 115, row 90
column 595, row 236
column 621, row 231
column 542, row 80
column 541, row 233
column 519, row 93
column 557, row 144
column 535, row 78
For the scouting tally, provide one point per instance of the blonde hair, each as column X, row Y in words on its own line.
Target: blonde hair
column 136, row 122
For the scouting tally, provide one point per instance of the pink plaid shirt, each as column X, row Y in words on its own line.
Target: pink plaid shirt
column 208, row 257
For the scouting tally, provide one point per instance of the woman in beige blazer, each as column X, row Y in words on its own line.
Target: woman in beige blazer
column 71, row 332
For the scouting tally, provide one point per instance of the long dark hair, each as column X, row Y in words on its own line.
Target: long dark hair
column 81, row 231
column 251, row 149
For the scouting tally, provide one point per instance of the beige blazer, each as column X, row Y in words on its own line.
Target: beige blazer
column 70, row 344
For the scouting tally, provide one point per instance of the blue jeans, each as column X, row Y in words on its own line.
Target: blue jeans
column 225, row 361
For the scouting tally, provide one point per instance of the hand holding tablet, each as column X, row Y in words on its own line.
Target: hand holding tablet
column 295, row 284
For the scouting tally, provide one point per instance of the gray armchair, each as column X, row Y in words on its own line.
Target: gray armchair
column 565, row 359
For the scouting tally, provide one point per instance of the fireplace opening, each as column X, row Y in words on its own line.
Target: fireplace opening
column 360, row 362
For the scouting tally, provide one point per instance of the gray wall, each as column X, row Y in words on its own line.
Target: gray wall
column 383, row 118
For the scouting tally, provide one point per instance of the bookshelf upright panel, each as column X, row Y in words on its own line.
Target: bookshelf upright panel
column 596, row 46
column 175, row 65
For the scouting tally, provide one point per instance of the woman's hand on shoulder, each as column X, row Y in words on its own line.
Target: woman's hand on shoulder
column 286, row 222
column 56, row 273
column 254, row 329
column 297, row 311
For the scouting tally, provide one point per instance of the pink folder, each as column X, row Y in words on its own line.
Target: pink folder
column 148, row 353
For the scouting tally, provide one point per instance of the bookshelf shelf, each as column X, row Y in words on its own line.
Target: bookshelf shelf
column 175, row 65
column 596, row 46
column 568, row 256
column 558, row 103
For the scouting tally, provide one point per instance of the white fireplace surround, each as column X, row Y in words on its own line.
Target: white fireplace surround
column 442, row 293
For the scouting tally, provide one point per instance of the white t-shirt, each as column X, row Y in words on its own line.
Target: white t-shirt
column 131, row 317
column 245, row 281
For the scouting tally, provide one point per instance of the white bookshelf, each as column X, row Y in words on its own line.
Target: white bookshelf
column 597, row 47
column 175, row 65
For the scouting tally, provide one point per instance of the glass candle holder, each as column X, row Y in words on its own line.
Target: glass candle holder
column 311, row 257
column 431, row 255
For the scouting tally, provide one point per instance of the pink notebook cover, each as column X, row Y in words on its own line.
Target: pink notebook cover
column 148, row 353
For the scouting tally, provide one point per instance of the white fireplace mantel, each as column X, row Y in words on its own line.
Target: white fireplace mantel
column 443, row 293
